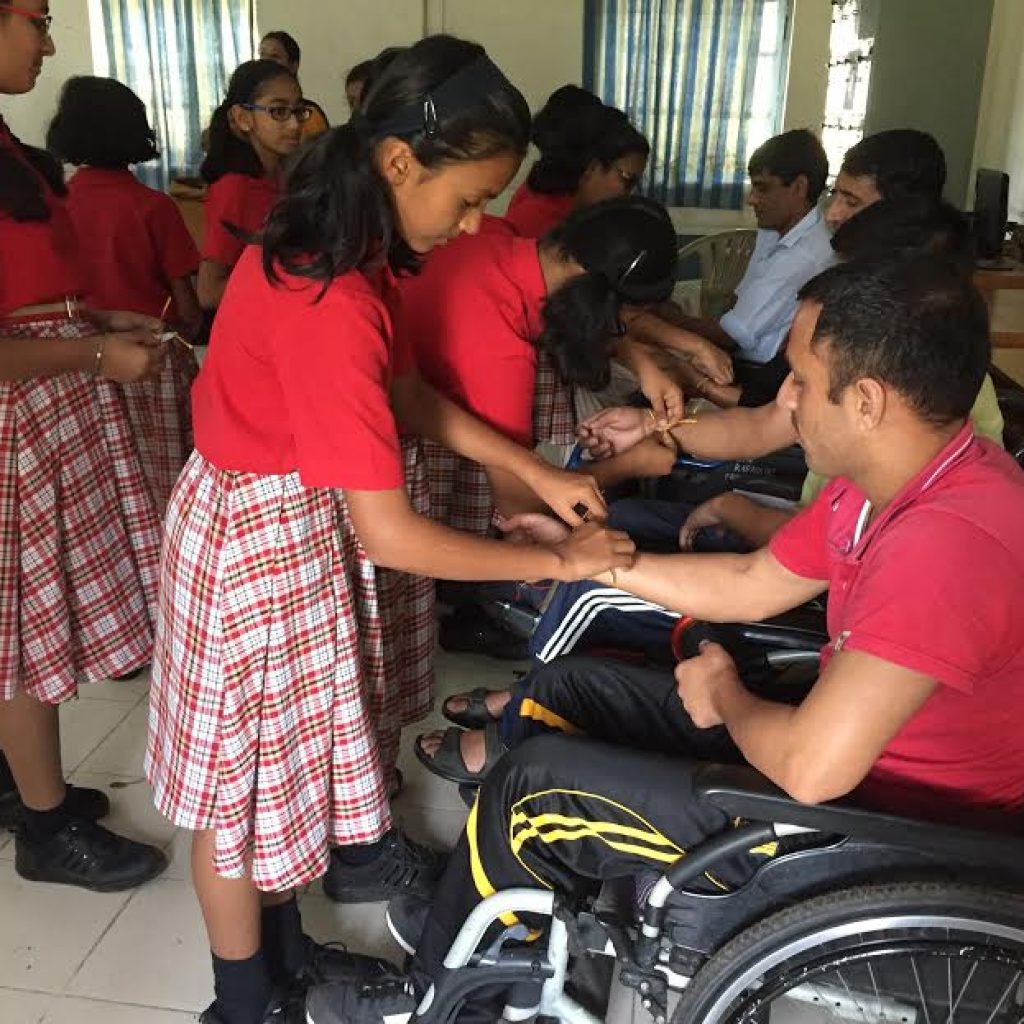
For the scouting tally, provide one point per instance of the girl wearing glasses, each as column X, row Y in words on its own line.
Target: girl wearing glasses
column 588, row 152
column 257, row 126
column 79, row 533
column 138, row 255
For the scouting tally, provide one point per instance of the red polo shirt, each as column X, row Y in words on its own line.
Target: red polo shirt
column 38, row 259
column 242, row 202
column 296, row 382
column 934, row 584
column 470, row 316
column 534, row 214
column 132, row 238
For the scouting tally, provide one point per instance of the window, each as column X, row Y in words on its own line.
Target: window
column 177, row 55
column 849, row 74
column 702, row 79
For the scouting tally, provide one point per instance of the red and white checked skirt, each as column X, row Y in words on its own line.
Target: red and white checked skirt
column 270, row 675
column 404, row 690
column 161, row 417
column 79, row 534
column 460, row 493
column 554, row 412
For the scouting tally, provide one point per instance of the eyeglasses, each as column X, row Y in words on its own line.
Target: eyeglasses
column 281, row 113
column 629, row 180
column 42, row 22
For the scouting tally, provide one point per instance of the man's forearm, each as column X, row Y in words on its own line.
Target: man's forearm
column 755, row 523
column 763, row 730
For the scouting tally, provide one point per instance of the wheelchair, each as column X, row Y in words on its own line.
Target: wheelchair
column 853, row 915
column 859, row 916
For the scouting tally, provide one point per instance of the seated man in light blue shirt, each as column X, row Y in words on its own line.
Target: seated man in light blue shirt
column 787, row 176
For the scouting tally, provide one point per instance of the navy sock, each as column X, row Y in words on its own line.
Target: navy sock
column 243, row 989
column 285, row 945
column 43, row 825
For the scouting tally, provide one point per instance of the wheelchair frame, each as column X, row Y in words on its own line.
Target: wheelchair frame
column 860, row 843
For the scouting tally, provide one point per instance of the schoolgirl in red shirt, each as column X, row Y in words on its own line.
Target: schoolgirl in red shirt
column 485, row 309
column 261, row 738
column 257, row 126
column 137, row 255
column 588, row 152
column 79, row 534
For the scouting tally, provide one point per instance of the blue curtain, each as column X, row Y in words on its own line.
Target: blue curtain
column 684, row 71
column 177, row 55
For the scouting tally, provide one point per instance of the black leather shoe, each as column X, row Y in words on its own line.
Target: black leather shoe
column 283, row 1008
column 91, row 804
column 403, row 866
column 89, row 856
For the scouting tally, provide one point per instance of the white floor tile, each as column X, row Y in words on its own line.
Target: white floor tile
column 90, row 1011
column 5, row 841
column 128, row 691
column 22, row 1007
column 438, row 828
column 132, row 812
column 179, row 854
column 84, row 725
column 122, row 751
column 156, row 954
column 360, row 926
column 47, row 931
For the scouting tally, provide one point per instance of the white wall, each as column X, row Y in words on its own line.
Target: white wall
column 807, row 83
column 1000, row 138
column 336, row 34
column 29, row 115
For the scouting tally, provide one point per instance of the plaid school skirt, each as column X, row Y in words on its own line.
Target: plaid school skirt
column 271, row 677
column 161, row 416
column 554, row 413
column 79, row 534
column 460, row 493
column 404, row 690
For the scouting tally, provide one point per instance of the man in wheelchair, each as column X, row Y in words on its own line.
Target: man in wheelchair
column 916, row 710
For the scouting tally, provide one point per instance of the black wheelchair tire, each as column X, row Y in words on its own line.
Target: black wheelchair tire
column 739, row 959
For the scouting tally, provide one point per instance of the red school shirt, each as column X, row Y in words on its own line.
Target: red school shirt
column 533, row 214
column 470, row 317
column 133, row 240
column 933, row 585
column 244, row 203
column 293, row 383
column 38, row 259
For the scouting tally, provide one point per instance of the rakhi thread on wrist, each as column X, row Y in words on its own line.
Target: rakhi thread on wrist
column 166, row 336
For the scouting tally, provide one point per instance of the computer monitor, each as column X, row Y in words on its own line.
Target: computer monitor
column 991, row 195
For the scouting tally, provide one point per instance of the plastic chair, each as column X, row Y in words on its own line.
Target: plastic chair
column 723, row 262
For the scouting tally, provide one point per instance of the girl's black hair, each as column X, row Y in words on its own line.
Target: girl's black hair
column 572, row 131
column 627, row 248
column 102, row 123
column 227, row 153
column 22, row 194
column 336, row 212
column 291, row 48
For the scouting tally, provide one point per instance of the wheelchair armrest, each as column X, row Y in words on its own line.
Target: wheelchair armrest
column 743, row 792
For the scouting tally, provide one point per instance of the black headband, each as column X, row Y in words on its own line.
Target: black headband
column 469, row 85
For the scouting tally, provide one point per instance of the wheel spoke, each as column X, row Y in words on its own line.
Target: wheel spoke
column 920, row 991
column 1014, row 981
column 874, row 985
column 960, row 994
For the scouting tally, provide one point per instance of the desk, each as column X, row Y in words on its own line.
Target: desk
column 1006, row 308
column 989, row 281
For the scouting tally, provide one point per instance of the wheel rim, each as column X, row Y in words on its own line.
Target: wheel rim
column 913, row 939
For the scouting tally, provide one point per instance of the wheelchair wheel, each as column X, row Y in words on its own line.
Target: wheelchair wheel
column 903, row 953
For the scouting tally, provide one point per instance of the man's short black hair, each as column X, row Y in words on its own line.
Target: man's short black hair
column 914, row 225
column 902, row 162
column 102, row 123
column 914, row 323
column 791, row 154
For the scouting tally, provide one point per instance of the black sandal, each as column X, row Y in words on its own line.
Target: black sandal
column 475, row 714
column 448, row 762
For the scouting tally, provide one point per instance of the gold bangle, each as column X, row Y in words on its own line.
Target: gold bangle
column 98, row 359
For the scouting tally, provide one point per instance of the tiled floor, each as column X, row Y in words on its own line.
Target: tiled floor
column 71, row 957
